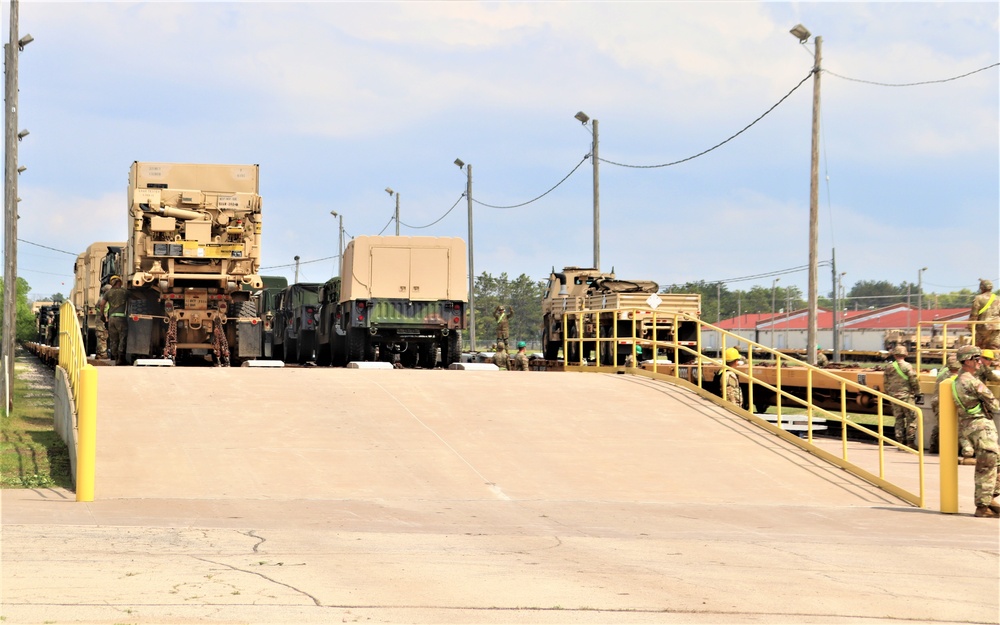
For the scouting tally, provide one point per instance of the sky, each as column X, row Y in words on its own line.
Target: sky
column 337, row 101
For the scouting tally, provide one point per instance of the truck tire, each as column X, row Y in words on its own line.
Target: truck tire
column 291, row 350
column 409, row 357
column 306, row 348
column 236, row 311
column 550, row 348
column 323, row 355
column 427, row 355
column 451, row 350
column 356, row 342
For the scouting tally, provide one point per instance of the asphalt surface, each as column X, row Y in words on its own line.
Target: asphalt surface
column 331, row 495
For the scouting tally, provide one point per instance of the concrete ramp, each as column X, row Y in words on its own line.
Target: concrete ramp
column 338, row 434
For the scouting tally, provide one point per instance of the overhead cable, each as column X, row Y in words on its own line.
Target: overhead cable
column 718, row 145
column 403, row 223
column 910, row 84
column 48, row 248
column 582, row 161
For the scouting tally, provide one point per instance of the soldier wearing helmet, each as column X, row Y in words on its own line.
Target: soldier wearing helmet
column 951, row 370
column 501, row 358
column 821, row 359
column 986, row 309
column 113, row 302
column 729, row 382
column 521, row 357
column 977, row 407
column 900, row 381
column 102, row 324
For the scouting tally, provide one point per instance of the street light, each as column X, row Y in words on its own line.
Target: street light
column 802, row 33
column 583, row 118
column 838, row 293
column 472, row 271
column 340, row 245
column 391, row 193
column 920, row 290
column 774, row 283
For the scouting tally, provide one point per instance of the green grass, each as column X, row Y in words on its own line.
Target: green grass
column 31, row 453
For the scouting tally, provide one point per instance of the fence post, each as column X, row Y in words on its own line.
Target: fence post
column 948, row 447
column 86, row 455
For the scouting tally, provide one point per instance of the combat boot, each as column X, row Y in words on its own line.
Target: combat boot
column 985, row 512
column 994, row 506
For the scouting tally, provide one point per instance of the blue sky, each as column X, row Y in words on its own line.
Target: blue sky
column 337, row 101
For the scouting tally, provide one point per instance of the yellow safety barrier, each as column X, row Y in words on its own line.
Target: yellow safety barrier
column 951, row 339
column 948, row 447
column 584, row 337
column 83, row 388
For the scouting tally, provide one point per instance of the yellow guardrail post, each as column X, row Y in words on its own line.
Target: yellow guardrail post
column 86, row 455
column 948, row 448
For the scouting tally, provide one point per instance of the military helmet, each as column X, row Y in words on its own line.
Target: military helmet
column 985, row 285
column 899, row 350
column 638, row 349
column 732, row 354
column 953, row 363
column 968, row 352
column 114, row 278
column 521, row 344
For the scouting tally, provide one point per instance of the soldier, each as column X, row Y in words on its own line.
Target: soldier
column 901, row 383
column 102, row 327
column 630, row 360
column 503, row 324
column 115, row 298
column 501, row 358
column 976, row 407
column 951, row 370
column 821, row 359
column 521, row 358
column 729, row 379
column 986, row 307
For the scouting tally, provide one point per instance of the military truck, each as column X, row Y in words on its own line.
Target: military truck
column 192, row 261
column 91, row 271
column 400, row 299
column 296, row 316
column 265, row 302
column 631, row 310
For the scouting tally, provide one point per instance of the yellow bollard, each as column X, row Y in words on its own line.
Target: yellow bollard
column 86, row 437
column 948, row 447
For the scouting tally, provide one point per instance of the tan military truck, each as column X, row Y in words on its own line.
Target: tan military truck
column 192, row 262
column 596, row 305
column 399, row 299
column 90, row 273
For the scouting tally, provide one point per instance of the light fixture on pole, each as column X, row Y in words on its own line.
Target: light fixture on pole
column 296, row 270
column 340, row 239
column 392, row 193
column 472, row 267
column 802, row 34
column 774, row 283
column 583, row 118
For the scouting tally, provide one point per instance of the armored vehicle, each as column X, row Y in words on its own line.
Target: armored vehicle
column 296, row 315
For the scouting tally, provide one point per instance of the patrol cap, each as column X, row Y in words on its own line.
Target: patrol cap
column 968, row 352
column 638, row 349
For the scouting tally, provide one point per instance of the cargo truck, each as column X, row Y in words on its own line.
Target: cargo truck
column 592, row 304
column 296, row 314
column 192, row 262
column 400, row 299
column 91, row 271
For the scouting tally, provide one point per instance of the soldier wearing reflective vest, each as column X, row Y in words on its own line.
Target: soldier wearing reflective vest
column 901, row 383
column 976, row 407
column 986, row 308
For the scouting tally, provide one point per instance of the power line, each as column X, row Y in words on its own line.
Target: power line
column 566, row 177
column 718, row 145
column 301, row 262
column 910, row 84
column 769, row 274
column 48, row 248
column 403, row 223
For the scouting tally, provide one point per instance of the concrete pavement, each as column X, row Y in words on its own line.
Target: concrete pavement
column 332, row 495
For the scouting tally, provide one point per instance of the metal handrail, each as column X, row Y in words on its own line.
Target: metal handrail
column 695, row 362
column 72, row 351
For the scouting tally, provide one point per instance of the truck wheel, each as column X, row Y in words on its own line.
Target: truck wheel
column 291, row 350
column 428, row 355
column 355, row 345
column 305, row 349
column 323, row 355
column 236, row 311
column 451, row 350
column 409, row 358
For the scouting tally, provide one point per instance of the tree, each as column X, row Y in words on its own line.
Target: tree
column 24, row 329
column 718, row 302
column 523, row 294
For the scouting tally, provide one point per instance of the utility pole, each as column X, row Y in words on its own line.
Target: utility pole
column 836, row 330
column 472, row 269
column 11, row 137
column 814, row 206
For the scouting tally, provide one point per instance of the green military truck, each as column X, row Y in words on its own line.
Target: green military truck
column 400, row 300
column 296, row 315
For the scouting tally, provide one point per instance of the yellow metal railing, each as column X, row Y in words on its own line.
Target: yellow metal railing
column 83, row 388
column 955, row 336
column 687, row 365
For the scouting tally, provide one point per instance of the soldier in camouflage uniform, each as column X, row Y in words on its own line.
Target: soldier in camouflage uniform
column 503, row 315
column 501, row 358
column 976, row 407
column 951, row 370
column 986, row 307
column 731, row 381
column 116, row 299
column 901, row 382
column 521, row 358
column 102, row 327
